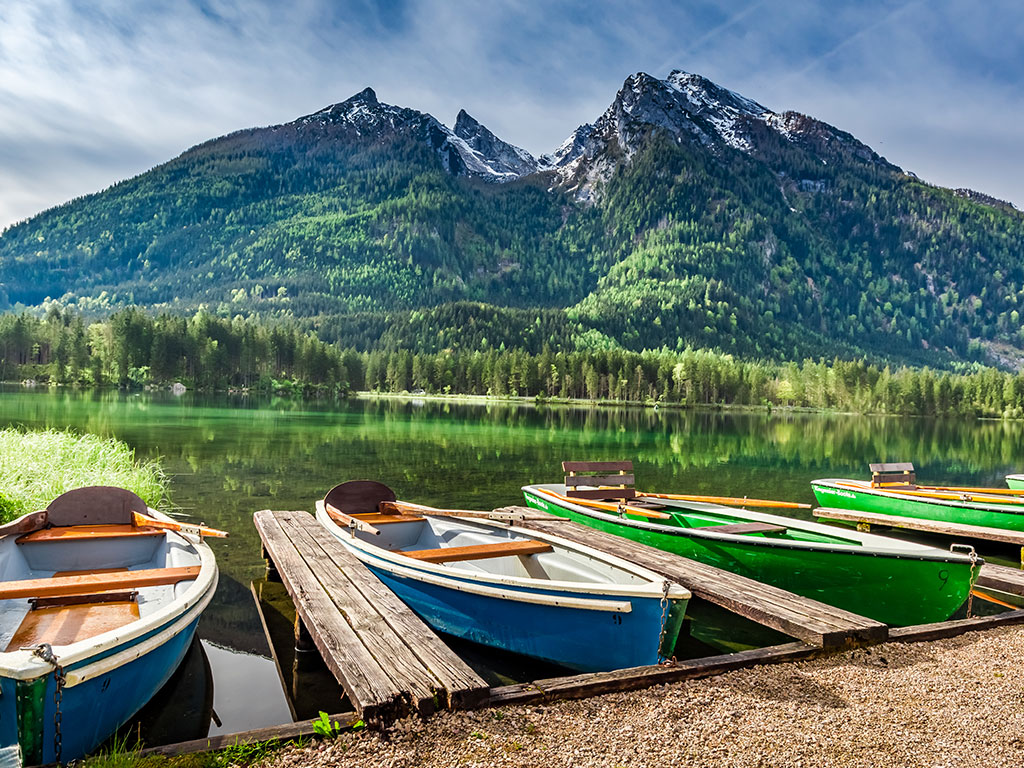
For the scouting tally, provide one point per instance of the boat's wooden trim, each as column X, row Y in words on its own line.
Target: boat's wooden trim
column 478, row 551
column 76, row 585
column 409, row 508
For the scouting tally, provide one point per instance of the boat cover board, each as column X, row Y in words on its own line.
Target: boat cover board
column 66, row 624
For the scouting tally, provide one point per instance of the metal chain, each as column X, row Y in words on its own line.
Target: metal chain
column 45, row 652
column 665, row 587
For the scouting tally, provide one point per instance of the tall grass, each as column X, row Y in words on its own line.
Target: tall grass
column 37, row 466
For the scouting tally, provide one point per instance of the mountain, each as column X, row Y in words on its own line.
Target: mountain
column 685, row 214
column 695, row 111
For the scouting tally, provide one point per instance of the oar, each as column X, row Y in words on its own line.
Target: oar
column 346, row 521
column 731, row 501
column 991, row 599
column 963, row 489
column 195, row 530
column 981, row 498
column 609, row 507
column 409, row 508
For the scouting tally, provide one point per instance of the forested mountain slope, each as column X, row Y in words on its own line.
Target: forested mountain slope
column 684, row 215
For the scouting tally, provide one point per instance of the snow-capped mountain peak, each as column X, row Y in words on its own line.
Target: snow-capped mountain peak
column 498, row 158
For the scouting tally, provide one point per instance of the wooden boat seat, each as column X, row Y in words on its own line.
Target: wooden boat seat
column 744, row 528
column 92, row 582
column 91, row 532
column 479, row 551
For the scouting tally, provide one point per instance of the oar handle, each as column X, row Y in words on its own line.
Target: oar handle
column 195, row 530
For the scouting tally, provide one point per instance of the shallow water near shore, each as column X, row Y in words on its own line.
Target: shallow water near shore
column 230, row 456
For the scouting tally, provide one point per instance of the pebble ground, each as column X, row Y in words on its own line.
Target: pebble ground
column 956, row 702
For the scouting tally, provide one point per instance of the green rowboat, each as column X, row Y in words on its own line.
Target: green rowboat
column 987, row 509
column 1015, row 482
column 897, row 582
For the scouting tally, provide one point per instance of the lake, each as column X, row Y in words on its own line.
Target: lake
column 229, row 456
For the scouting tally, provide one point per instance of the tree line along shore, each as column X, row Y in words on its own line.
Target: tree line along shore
column 134, row 349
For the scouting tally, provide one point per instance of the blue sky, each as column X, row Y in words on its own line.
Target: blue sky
column 93, row 92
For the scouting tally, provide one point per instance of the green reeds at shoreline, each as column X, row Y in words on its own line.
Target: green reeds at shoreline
column 36, row 466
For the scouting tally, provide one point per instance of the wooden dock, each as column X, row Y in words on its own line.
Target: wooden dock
column 1002, row 578
column 813, row 622
column 388, row 661
column 865, row 520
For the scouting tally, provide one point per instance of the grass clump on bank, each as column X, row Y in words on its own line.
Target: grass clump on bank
column 37, row 466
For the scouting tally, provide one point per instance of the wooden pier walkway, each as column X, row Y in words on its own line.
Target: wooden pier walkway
column 809, row 620
column 1002, row 578
column 866, row 519
column 388, row 661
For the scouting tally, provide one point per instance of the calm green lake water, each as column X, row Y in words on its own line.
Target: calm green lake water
column 229, row 457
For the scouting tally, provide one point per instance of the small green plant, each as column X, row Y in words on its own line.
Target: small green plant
column 326, row 727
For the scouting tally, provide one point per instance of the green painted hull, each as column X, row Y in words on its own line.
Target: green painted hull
column 1015, row 482
column 923, row 586
column 1008, row 517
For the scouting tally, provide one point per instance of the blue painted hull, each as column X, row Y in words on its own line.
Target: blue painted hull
column 94, row 709
column 581, row 639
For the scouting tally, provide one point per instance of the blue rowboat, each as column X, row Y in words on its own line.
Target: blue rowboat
column 99, row 600
column 520, row 590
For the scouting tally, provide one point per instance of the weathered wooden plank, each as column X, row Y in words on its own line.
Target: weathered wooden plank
column 597, row 466
column 368, row 685
column 917, row 524
column 395, row 657
column 273, row 733
column 808, row 620
column 943, row 629
column 1000, row 577
column 601, row 493
column 465, row 688
column 478, row 551
column 901, row 466
column 592, row 684
column 574, row 480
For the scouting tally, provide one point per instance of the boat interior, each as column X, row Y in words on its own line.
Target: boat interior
column 84, row 568
column 462, row 544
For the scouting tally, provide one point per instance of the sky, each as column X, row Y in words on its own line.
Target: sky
column 95, row 91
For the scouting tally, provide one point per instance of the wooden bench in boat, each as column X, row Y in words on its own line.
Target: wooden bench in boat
column 893, row 475
column 478, row 551
column 90, row 532
column 91, row 582
column 801, row 617
column 387, row 660
column 744, row 528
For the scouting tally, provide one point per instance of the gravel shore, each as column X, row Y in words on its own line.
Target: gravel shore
column 939, row 704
